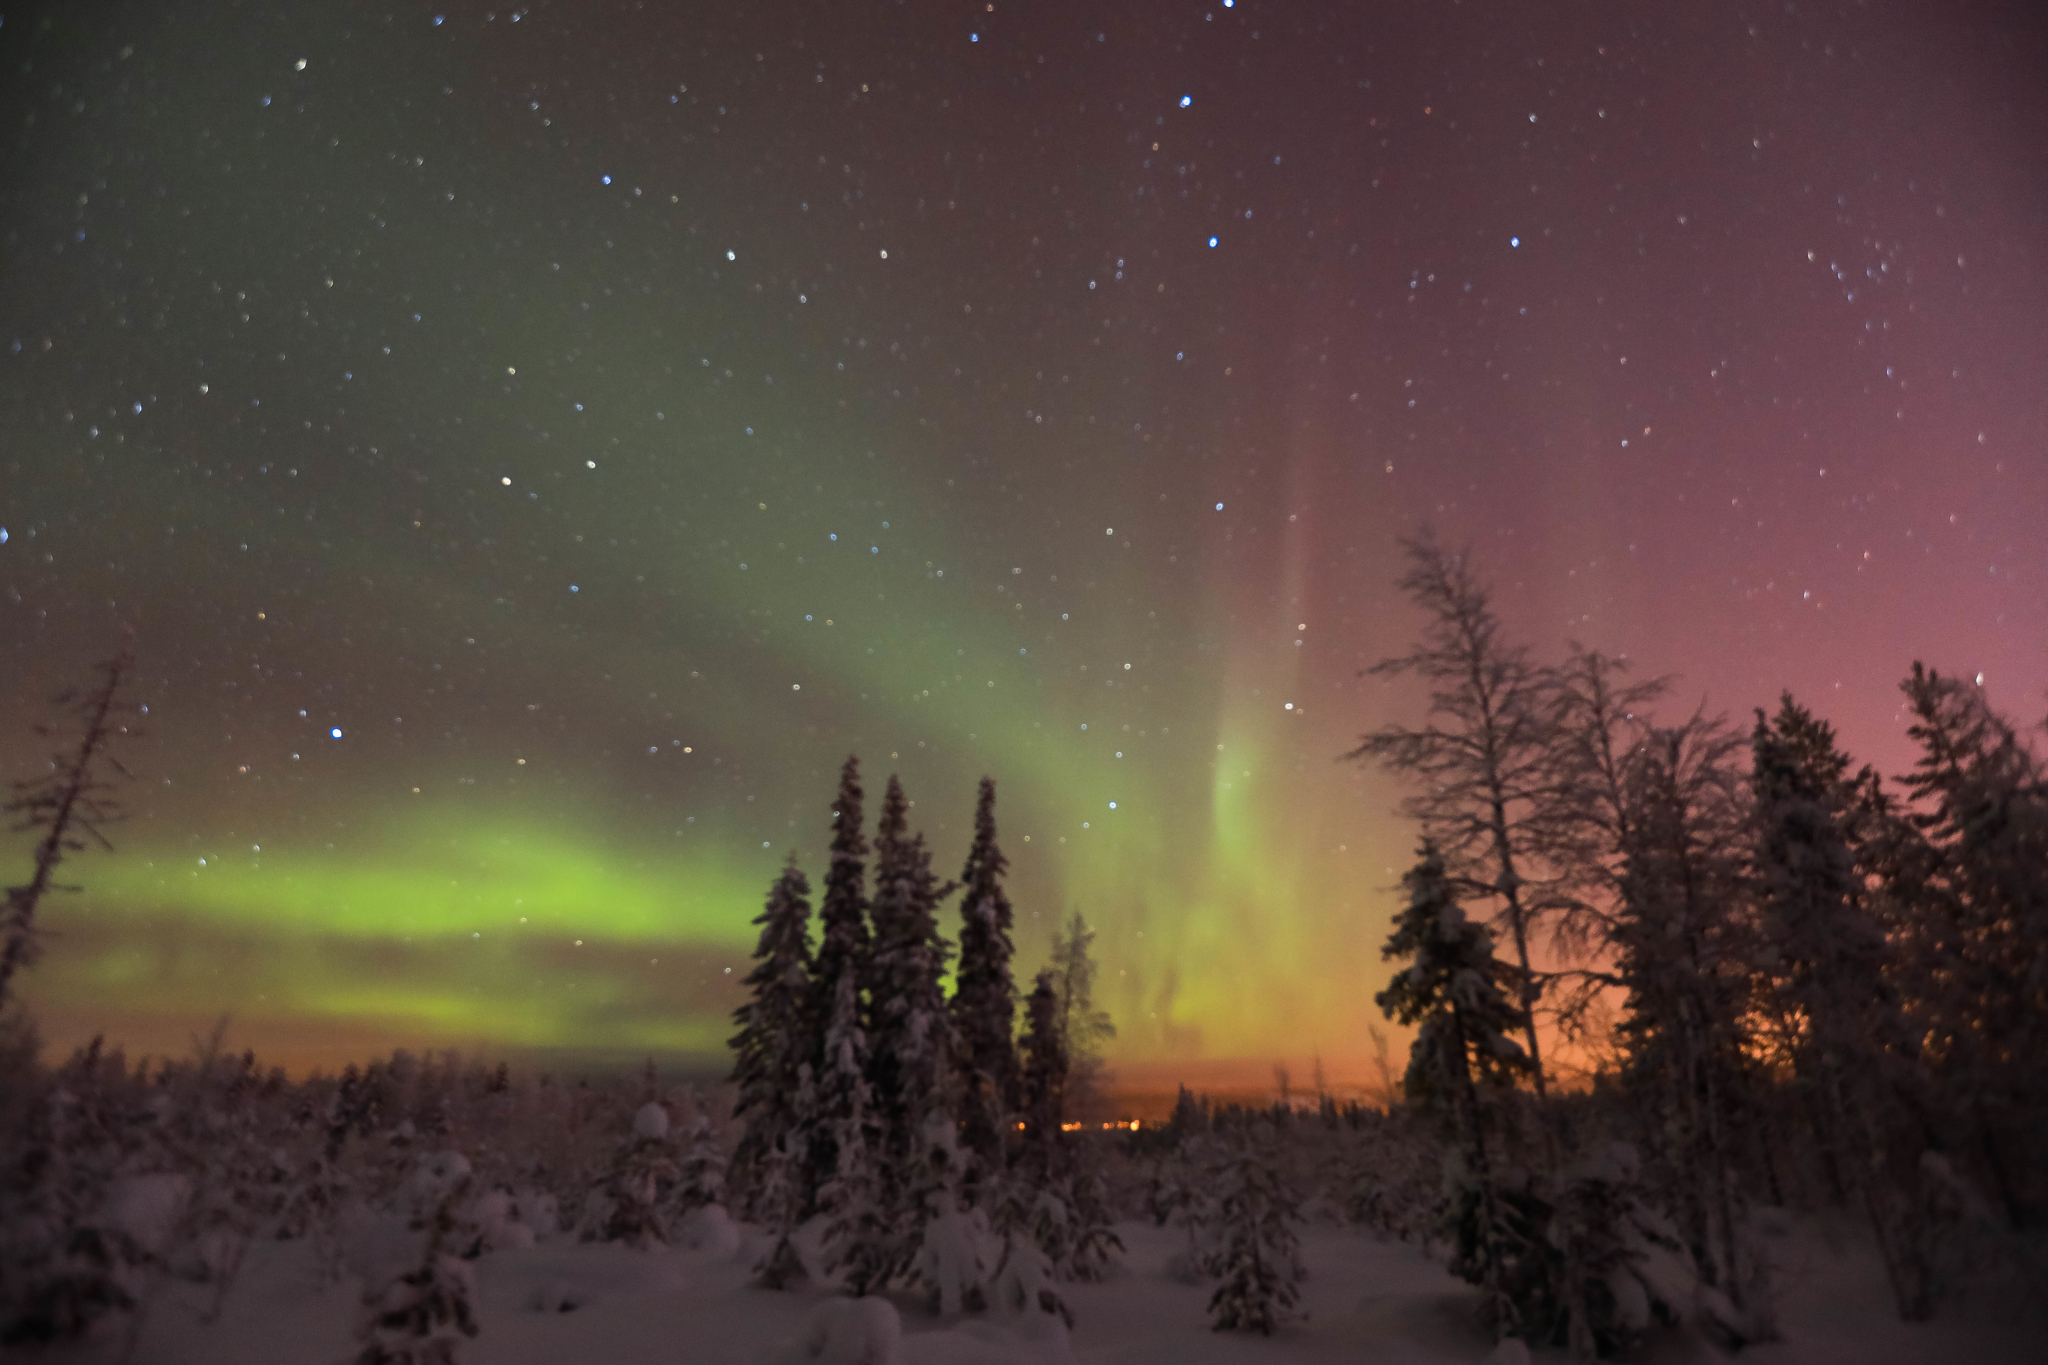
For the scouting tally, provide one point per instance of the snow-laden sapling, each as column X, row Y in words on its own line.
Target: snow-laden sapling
column 702, row 1173
column 1624, row 1265
column 702, row 1223
column 776, row 1038
column 775, row 1203
column 422, row 1316
column 1182, row 1195
column 951, row 1261
column 626, row 1205
column 1257, row 1252
column 1093, row 1241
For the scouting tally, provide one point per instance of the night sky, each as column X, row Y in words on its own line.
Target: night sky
column 528, row 449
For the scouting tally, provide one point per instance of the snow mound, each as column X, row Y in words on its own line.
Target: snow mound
column 651, row 1122
column 1509, row 1351
column 563, row 1276
column 839, row 1331
column 496, row 1215
column 709, row 1228
column 540, row 1211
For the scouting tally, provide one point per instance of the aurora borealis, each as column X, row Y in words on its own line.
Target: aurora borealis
column 527, row 449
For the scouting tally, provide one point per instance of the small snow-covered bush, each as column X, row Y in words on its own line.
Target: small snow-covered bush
column 708, row 1228
column 1024, row 1284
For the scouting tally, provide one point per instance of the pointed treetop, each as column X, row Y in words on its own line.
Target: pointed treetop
column 895, row 819
column 985, row 862
column 846, row 811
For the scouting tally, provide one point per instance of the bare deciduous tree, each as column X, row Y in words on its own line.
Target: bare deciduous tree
column 1480, row 765
column 68, row 803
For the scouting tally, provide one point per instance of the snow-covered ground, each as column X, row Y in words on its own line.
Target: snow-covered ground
column 1367, row 1300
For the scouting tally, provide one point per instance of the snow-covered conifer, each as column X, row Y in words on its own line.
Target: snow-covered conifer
column 860, row 1239
column 628, row 1203
column 910, row 1034
column 984, row 1001
column 700, row 1177
column 844, row 951
column 1256, row 1252
column 1462, row 1060
column 1980, row 921
column 1620, row 1266
column 1090, row 1222
column 423, row 1315
column 1825, row 975
column 775, row 1200
column 949, row 1258
column 1042, row 1082
column 775, row 1035
column 77, row 1241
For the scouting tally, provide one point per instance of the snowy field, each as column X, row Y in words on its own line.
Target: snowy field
column 1368, row 1301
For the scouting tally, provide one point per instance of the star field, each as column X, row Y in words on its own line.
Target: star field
column 531, row 447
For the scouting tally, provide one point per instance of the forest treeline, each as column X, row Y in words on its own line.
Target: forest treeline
column 1800, row 983
column 1782, row 983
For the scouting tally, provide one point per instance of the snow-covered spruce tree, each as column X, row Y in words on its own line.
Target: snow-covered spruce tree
column 1042, row 1088
column 1090, row 1219
column 1256, row 1253
column 910, row 1034
column 1621, row 1262
column 1683, row 940
column 844, row 950
column 1183, row 1195
column 949, row 1263
column 1980, row 797
column 1055, row 1197
column 984, row 1001
column 1460, row 1066
column 1083, row 1028
column 1824, row 973
column 1480, row 765
column 627, row 1204
column 860, row 1241
column 775, row 1037
column 422, row 1316
column 67, row 804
